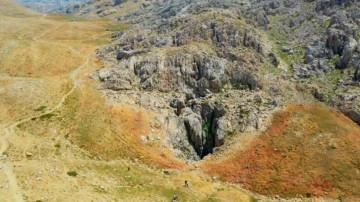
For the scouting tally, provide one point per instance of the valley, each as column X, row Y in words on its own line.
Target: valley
column 127, row 100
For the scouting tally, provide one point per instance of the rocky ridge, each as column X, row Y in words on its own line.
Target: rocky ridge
column 52, row 6
column 196, row 63
column 197, row 50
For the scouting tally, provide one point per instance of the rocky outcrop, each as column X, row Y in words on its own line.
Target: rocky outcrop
column 178, row 139
column 326, row 5
column 245, row 80
column 353, row 115
column 205, row 128
column 341, row 44
column 200, row 74
column 101, row 8
column 339, row 48
column 177, row 104
column 202, row 51
column 55, row 6
column 356, row 65
column 128, row 54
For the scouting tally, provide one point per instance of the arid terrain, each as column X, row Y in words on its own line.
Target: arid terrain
column 127, row 100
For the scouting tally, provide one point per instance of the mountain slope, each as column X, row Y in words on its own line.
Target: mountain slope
column 125, row 100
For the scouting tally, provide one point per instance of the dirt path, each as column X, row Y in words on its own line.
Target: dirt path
column 9, row 130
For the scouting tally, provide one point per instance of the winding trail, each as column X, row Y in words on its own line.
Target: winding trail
column 9, row 130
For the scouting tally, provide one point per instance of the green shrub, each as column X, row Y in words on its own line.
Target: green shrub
column 72, row 173
column 46, row 116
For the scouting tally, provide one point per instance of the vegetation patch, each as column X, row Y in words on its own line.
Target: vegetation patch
column 41, row 108
column 72, row 173
column 309, row 150
column 46, row 116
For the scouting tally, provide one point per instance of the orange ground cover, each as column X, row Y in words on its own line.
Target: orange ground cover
column 308, row 150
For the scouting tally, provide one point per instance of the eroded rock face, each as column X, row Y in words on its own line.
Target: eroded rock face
column 205, row 128
column 177, row 137
column 353, row 115
column 356, row 64
column 199, row 52
column 326, row 5
column 201, row 74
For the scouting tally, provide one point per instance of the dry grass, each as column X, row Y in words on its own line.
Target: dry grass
column 308, row 150
column 37, row 45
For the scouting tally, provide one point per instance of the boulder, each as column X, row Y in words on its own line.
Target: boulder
column 127, row 54
column 178, row 139
column 356, row 65
column 220, row 131
column 178, row 105
column 245, row 80
column 274, row 60
column 113, row 80
column 314, row 51
column 194, row 130
column 357, row 74
column 274, row 4
column 336, row 40
column 347, row 53
column 353, row 115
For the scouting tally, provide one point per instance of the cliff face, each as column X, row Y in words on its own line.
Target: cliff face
column 197, row 51
column 212, row 68
column 195, row 57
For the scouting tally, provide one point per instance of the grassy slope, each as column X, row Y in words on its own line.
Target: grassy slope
column 308, row 150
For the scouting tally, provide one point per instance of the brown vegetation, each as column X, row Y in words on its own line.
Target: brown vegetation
column 308, row 150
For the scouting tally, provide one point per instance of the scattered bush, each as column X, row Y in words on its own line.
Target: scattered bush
column 72, row 173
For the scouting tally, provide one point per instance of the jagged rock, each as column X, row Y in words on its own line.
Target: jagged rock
column 54, row 6
column 318, row 95
column 147, row 84
column 194, row 130
column 357, row 74
column 104, row 13
column 274, row 4
column 114, row 80
column 322, row 5
column 347, row 53
column 220, row 131
column 202, row 123
column 250, row 41
column 274, row 60
column 261, row 19
column 177, row 137
column 301, row 71
column 178, row 104
column 353, row 115
column 336, row 40
column 118, row 2
column 127, row 54
column 200, row 73
column 356, row 65
column 245, row 80
column 317, row 50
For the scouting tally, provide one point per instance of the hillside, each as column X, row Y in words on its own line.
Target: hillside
column 54, row 6
column 127, row 100
column 308, row 150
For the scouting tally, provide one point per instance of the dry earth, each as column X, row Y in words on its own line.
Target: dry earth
column 61, row 140
column 308, row 150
